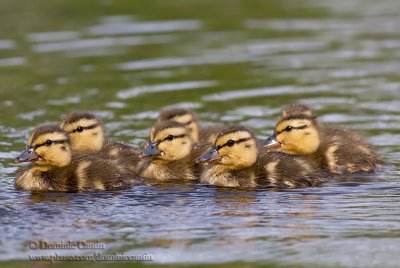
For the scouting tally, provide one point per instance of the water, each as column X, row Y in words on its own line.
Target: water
column 232, row 62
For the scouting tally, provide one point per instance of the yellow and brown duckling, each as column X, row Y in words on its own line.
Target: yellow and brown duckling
column 237, row 160
column 86, row 133
column 55, row 167
column 337, row 150
column 170, row 154
column 186, row 117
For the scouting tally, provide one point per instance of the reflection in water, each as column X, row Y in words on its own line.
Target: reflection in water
column 129, row 60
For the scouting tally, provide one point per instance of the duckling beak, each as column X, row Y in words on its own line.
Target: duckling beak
column 271, row 143
column 211, row 155
column 150, row 150
column 28, row 155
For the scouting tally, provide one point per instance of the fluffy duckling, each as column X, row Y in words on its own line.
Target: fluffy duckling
column 189, row 120
column 337, row 150
column 86, row 133
column 53, row 166
column 170, row 154
column 236, row 160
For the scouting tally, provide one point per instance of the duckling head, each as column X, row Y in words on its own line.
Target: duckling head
column 85, row 131
column 169, row 141
column 296, row 109
column 234, row 147
column 48, row 145
column 185, row 117
column 296, row 134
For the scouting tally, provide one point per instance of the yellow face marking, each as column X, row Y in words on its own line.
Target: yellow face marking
column 54, row 154
column 176, row 131
column 295, row 123
column 89, row 139
column 56, row 136
column 232, row 136
column 243, row 153
column 297, row 136
column 84, row 122
column 179, row 146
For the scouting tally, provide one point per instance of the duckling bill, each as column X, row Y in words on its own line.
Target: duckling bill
column 54, row 167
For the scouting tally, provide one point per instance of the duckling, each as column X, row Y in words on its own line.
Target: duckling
column 337, row 150
column 170, row 154
column 54, row 167
column 86, row 133
column 237, row 160
column 188, row 118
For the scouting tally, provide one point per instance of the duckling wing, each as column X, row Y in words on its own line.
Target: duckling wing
column 346, row 152
column 95, row 173
column 281, row 170
column 127, row 155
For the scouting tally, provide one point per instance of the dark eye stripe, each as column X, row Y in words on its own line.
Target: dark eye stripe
column 235, row 142
column 85, row 128
column 301, row 127
column 174, row 137
column 53, row 142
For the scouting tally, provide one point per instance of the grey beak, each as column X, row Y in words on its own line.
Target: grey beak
column 209, row 156
column 150, row 150
column 271, row 142
column 27, row 156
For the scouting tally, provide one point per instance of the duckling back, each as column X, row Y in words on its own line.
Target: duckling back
column 343, row 151
column 282, row 170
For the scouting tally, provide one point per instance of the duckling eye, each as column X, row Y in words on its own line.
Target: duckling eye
column 79, row 129
column 230, row 143
column 288, row 129
column 169, row 138
column 48, row 143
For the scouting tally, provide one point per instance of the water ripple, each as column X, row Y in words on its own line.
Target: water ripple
column 144, row 27
column 187, row 85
